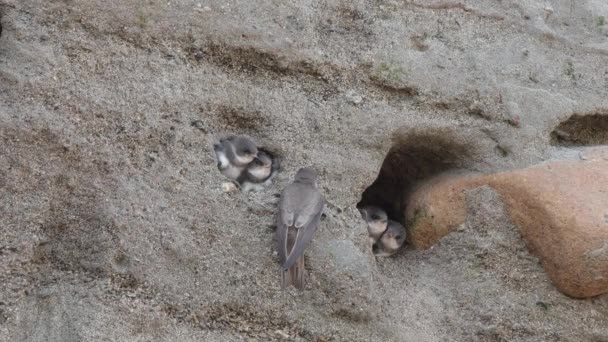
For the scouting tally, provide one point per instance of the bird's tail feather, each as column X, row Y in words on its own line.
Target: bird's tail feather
column 294, row 275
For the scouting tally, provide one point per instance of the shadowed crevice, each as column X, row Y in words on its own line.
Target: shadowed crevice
column 582, row 130
column 414, row 157
column 1, row 16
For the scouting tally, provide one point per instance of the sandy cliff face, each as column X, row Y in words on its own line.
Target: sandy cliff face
column 113, row 222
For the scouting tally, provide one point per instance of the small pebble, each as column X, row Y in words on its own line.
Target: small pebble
column 229, row 187
column 202, row 10
column 353, row 97
column 515, row 120
column 548, row 12
column 282, row 334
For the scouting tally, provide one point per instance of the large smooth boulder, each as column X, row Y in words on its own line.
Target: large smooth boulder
column 561, row 209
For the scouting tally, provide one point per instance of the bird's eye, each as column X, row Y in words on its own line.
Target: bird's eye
column 397, row 237
column 375, row 217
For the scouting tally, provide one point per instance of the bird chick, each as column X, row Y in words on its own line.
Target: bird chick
column 300, row 209
column 260, row 172
column 233, row 154
column 376, row 219
column 391, row 240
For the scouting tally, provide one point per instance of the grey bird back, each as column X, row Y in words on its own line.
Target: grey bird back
column 298, row 217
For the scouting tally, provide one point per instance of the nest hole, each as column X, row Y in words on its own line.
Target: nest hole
column 582, row 130
column 414, row 158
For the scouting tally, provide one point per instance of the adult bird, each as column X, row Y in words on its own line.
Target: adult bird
column 300, row 209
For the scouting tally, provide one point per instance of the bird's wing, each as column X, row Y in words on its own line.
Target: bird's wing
column 283, row 217
column 299, row 199
column 290, row 204
column 304, row 234
column 281, row 232
column 284, row 221
column 308, row 208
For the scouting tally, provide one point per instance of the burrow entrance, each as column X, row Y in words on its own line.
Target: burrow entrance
column 582, row 130
column 415, row 157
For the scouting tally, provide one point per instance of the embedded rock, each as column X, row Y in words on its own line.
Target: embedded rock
column 437, row 208
column 561, row 209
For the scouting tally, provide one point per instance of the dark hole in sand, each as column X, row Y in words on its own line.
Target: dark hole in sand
column 414, row 158
column 582, row 130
